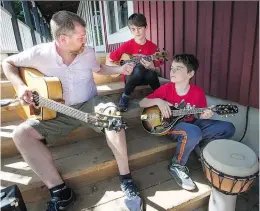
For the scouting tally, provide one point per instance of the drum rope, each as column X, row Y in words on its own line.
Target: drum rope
column 247, row 112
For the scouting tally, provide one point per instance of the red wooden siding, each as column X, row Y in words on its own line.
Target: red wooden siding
column 223, row 35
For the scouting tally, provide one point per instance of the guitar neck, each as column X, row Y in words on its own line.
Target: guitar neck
column 64, row 109
column 137, row 60
column 188, row 111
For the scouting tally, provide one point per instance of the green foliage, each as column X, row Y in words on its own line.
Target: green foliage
column 18, row 9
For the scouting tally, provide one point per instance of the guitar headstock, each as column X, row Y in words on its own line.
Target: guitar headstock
column 110, row 122
column 225, row 109
column 160, row 55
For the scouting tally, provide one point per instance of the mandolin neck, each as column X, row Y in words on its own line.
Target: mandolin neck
column 183, row 112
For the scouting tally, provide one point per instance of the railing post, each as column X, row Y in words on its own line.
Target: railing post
column 42, row 27
column 47, row 31
column 9, row 8
column 28, row 20
column 36, row 18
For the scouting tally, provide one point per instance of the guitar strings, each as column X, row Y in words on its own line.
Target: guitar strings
column 65, row 107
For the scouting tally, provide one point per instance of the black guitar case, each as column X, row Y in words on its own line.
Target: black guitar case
column 11, row 199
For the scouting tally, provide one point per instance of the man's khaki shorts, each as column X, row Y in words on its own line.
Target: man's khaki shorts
column 62, row 125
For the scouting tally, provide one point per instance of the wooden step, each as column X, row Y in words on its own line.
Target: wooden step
column 158, row 190
column 112, row 90
column 87, row 162
column 7, row 90
column 8, row 147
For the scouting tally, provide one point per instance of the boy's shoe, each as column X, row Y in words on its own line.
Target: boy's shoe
column 123, row 103
column 180, row 174
column 133, row 201
column 57, row 204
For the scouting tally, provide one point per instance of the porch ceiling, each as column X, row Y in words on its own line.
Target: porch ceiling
column 48, row 8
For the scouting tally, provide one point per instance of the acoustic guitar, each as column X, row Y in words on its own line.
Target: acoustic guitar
column 154, row 123
column 47, row 96
column 127, row 58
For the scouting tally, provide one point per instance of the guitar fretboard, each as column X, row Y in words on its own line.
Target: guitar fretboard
column 137, row 60
column 51, row 104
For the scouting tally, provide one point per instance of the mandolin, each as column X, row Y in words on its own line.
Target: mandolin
column 154, row 123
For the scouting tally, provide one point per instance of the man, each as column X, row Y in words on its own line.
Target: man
column 144, row 73
column 68, row 59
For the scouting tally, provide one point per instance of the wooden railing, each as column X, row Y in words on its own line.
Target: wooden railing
column 7, row 38
column 25, row 33
column 8, row 42
column 38, row 37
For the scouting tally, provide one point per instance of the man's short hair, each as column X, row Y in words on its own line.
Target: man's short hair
column 63, row 23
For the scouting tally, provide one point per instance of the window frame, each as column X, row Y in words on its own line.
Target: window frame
column 123, row 34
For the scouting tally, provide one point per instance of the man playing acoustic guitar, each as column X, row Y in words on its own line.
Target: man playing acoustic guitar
column 68, row 59
column 144, row 73
column 191, row 131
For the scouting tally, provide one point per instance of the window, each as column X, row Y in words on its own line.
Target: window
column 96, row 23
column 111, row 17
column 122, row 13
column 116, row 15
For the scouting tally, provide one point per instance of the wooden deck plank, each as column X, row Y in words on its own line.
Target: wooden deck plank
column 94, row 162
column 8, row 148
column 106, row 193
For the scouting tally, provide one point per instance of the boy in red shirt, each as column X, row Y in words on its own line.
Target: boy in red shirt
column 191, row 131
column 144, row 73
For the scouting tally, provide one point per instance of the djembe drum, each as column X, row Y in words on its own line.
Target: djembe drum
column 231, row 168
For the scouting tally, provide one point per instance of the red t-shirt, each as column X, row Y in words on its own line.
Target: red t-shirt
column 195, row 97
column 136, row 50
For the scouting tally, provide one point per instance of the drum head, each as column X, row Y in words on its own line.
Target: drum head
column 231, row 158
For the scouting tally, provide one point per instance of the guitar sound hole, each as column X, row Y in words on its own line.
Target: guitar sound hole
column 36, row 111
column 36, row 98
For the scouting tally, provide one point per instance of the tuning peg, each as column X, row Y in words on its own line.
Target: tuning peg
column 118, row 113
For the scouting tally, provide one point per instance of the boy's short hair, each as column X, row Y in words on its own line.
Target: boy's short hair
column 189, row 60
column 137, row 19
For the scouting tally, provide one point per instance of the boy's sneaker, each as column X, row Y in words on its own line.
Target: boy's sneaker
column 180, row 174
column 133, row 200
column 123, row 103
column 57, row 204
